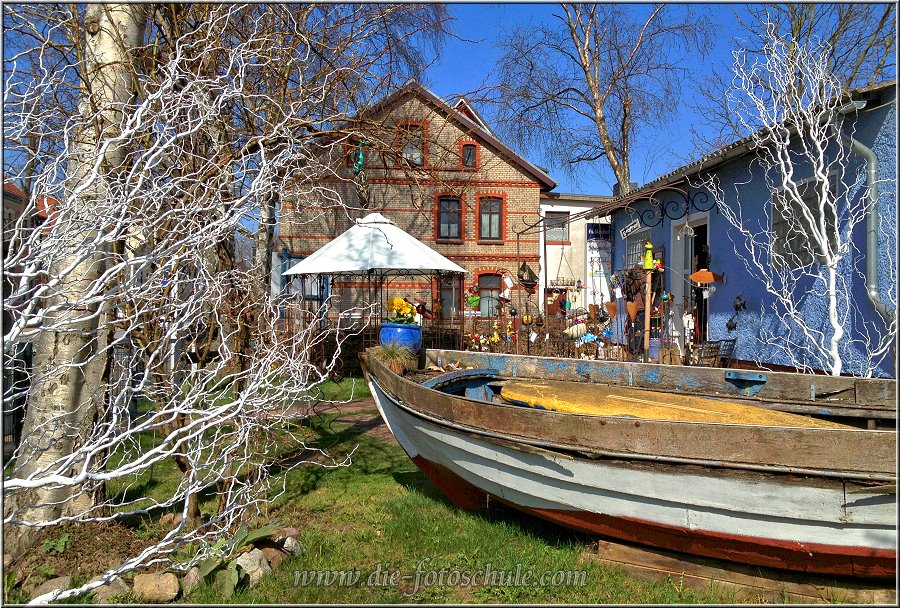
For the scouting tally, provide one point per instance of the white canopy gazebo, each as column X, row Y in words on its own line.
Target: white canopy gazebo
column 375, row 250
column 375, row 245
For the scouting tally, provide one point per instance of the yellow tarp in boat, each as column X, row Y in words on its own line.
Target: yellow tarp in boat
column 604, row 400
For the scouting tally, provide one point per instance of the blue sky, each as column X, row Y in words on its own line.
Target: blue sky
column 466, row 65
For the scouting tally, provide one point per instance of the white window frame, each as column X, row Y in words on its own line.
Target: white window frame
column 563, row 225
column 640, row 236
column 779, row 226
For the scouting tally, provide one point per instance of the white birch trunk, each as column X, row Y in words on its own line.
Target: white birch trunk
column 68, row 385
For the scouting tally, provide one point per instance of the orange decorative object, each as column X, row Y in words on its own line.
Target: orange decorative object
column 612, row 308
column 632, row 308
column 705, row 277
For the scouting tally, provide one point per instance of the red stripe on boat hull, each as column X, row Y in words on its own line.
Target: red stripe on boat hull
column 803, row 557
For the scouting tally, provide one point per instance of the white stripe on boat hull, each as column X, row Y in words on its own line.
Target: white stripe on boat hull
column 757, row 506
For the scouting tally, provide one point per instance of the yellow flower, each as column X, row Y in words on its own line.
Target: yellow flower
column 401, row 310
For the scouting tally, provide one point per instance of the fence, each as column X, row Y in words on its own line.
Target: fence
column 16, row 382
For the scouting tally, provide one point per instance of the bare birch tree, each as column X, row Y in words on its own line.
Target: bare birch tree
column 860, row 39
column 165, row 135
column 802, row 248
column 582, row 91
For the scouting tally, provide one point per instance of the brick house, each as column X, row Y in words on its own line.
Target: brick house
column 440, row 174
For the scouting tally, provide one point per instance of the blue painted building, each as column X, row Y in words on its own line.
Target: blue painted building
column 682, row 219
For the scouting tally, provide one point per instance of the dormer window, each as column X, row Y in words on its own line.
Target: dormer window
column 468, row 155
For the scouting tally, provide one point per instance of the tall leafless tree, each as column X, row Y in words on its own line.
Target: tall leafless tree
column 165, row 134
column 859, row 40
column 582, row 91
column 800, row 247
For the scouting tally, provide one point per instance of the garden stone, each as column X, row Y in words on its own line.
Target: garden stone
column 7, row 561
column 191, row 579
column 281, row 533
column 274, row 556
column 156, row 587
column 60, row 583
column 254, row 564
column 292, row 546
column 106, row 593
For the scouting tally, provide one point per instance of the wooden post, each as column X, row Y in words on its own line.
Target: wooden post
column 648, row 297
column 647, row 303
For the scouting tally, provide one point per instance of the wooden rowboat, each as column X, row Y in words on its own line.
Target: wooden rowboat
column 711, row 462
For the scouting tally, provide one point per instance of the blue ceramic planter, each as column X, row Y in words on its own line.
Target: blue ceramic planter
column 409, row 336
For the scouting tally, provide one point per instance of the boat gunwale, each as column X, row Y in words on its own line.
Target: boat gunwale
column 400, row 387
column 828, row 392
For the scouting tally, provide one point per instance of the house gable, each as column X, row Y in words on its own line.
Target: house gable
column 413, row 102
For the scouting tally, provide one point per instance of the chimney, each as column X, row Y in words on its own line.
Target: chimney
column 617, row 190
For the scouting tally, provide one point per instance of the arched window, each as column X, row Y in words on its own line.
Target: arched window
column 489, row 290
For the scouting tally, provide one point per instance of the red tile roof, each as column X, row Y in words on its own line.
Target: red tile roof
column 45, row 204
column 9, row 188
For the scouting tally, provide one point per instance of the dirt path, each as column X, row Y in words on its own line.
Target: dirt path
column 364, row 420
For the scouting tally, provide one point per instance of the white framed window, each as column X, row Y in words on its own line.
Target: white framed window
column 310, row 288
column 556, row 224
column 634, row 247
column 489, row 290
column 412, row 147
column 450, row 296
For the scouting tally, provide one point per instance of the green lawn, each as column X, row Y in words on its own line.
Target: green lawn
column 378, row 532
column 380, row 518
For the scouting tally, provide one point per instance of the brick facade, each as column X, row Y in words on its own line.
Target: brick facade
column 408, row 194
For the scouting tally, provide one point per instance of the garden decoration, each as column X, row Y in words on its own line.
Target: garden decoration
column 477, row 341
column 400, row 327
column 739, row 305
column 632, row 308
column 396, row 357
column 649, row 265
column 612, row 308
column 422, row 310
column 473, row 300
column 472, row 297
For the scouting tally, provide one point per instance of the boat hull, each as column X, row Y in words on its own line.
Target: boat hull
column 773, row 520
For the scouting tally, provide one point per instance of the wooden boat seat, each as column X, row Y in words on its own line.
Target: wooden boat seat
column 606, row 400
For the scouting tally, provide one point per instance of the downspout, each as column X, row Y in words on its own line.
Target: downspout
column 871, row 215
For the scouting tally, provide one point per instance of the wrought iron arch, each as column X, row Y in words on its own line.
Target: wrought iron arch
column 682, row 204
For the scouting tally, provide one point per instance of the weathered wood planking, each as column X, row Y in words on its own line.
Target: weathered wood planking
column 751, row 583
column 827, row 395
column 851, row 452
column 734, row 506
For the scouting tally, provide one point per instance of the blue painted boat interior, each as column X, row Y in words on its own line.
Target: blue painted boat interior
column 470, row 383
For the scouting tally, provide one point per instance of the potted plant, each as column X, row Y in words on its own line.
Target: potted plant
column 400, row 326
column 397, row 358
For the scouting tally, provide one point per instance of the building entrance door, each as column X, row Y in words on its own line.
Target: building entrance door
column 690, row 247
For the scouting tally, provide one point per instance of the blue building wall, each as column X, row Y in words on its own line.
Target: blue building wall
column 742, row 181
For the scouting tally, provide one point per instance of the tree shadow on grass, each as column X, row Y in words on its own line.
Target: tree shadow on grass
column 337, row 441
column 137, row 490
